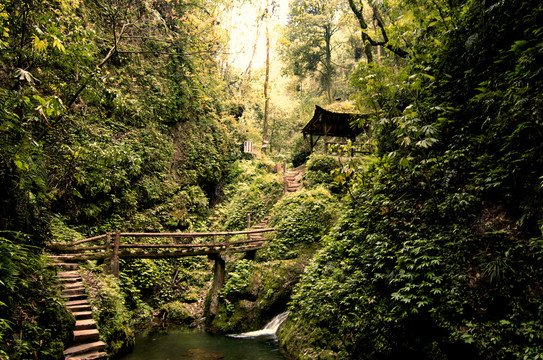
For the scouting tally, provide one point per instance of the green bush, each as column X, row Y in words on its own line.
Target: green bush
column 176, row 311
column 253, row 191
column 34, row 322
column 319, row 170
column 113, row 318
column 301, row 219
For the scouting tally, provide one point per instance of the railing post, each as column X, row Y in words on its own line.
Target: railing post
column 108, row 243
column 227, row 241
column 248, row 226
column 114, row 266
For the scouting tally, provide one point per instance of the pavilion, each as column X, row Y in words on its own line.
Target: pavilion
column 328, row 124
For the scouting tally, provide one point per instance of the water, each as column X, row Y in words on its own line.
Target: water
column 185, row 344
column 269, row 330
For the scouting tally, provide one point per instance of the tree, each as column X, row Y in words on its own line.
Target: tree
column 378, row 19
column 307, row 45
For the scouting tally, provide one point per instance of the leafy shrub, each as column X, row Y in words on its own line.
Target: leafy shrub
column 252, row 192
column 319, row 170
column 301, row 219
column 33, row 320
column 237, row 281
column 110, row 312
column 301, row 152
column 176, row 311
column 160, row 281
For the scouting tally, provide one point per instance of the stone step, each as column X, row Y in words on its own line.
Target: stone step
column 69, row 274
column 79, row 308
column 85, row 336
column 68, row 266
column 72, row 297
column 81, row 315
column 85, row 348
column 74, row 291
column 77, row 302
column 88, row 356
column 85, row 324
column 73, row 285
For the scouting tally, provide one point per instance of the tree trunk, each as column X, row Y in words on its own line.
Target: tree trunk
column 266, row 84
column 328, row 65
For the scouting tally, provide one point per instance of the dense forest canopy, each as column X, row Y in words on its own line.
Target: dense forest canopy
column 129, row 114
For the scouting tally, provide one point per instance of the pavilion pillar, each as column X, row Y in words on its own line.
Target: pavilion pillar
column 325, row 135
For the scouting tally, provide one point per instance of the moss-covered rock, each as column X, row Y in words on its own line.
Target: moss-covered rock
column 259, row 295
column 177, row 312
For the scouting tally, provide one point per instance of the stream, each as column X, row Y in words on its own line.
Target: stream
column 191, row 344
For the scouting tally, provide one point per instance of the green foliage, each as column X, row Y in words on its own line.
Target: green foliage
column 237, row 281
column 319, row 170
column 33, row 320
column 161, row 281
column 301, row 220
column 253, row 191
column 176, row 312
column 432, row 258
column 110, row 313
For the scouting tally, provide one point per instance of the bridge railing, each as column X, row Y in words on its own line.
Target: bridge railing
column 110, row 247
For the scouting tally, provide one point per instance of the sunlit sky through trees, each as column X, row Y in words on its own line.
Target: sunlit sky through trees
column 243, row 26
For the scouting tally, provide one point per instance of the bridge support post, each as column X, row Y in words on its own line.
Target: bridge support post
column 218, row 283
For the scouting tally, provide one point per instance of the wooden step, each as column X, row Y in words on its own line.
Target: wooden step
column 73, row 285
column 79, row 308
column 77, row 302
column 85, row 348
column 65, row 281
column 88, row 356
column 69, row 274
column 81, row 315
column 89, row 335
column 74, row 291
column 72, row 297
column 68, row 266
column 85, row 324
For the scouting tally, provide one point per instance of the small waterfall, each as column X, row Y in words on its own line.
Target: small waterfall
column 269, row 330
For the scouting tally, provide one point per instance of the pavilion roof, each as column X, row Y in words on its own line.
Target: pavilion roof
column 328, row 123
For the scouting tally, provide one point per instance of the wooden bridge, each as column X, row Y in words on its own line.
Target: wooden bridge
column 110, row 248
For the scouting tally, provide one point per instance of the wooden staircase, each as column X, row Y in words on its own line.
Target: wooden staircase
column 86, row 344
column 293, row 179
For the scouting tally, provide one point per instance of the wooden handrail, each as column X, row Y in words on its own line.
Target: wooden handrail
column 225, row 233
column 175, row 235
column 77, row 242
